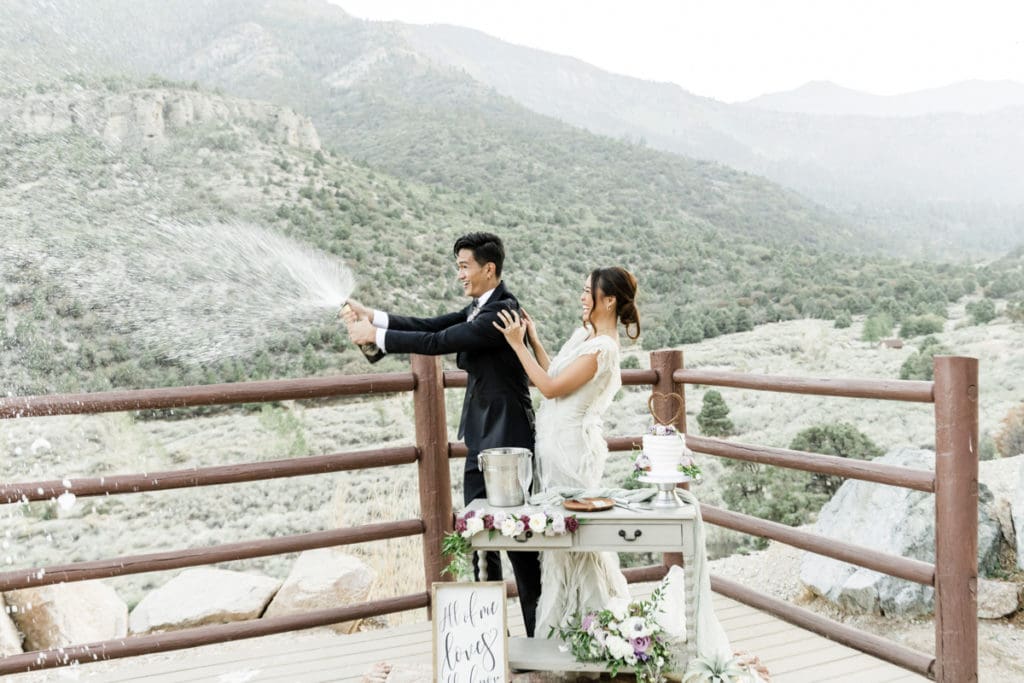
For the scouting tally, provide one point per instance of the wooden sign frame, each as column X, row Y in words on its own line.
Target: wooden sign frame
column 470, row 625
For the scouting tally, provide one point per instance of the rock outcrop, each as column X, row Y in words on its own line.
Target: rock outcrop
column 323, row 579
column 892, row 520
column 203, row 596
column 146, row 116
column 68, row 614
column 997, row 599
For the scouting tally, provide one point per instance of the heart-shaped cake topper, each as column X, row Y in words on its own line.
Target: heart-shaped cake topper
column 655, row 395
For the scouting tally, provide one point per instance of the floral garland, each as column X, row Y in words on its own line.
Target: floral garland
column 624, row 634
column 458, row 547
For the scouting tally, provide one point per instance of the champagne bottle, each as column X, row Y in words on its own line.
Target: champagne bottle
column 370, row 349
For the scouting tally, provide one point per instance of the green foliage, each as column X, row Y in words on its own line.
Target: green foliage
column 877, row 326
column 713, row 417
column 841, row 439
column 920, row 365
column 918, row 325
column 982, row 311
column 987, row 447
column 788, row 496
column 691, row 332
column 630, row 363
column 1015, row 311
column 774, row 493
column 843, row 320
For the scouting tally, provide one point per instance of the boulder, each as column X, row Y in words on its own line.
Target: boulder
column 203, row 596
column 892, row 520
column 1005, row 478
column 68, row 614
column 10, row 639
column 997, row 599
column 323, row 579
column 1017, row 513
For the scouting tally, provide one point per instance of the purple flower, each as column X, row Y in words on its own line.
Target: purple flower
column 460, row 524
column 525, row 519
column 640, row 644
column 571, row 524
column 488, row 521
column 469, row 513
column 588, row 620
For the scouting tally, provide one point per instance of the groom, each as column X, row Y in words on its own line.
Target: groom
column 496, row 410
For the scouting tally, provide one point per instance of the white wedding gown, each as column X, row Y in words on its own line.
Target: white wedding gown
column 571, row 451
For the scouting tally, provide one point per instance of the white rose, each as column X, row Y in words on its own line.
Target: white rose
column 537, row 522
column 618, row 647
column 619, row 608
column 508, row 527
column 474, row 525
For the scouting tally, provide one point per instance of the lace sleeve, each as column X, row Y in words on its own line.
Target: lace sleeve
column 607, row 353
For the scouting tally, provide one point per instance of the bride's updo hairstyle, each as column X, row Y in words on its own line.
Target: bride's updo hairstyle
column 621, row 284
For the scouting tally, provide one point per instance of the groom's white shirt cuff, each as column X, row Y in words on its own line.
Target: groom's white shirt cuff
column 380, row 321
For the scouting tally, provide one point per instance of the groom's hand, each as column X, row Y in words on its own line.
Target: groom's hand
column 356, row 311
column 361, row 331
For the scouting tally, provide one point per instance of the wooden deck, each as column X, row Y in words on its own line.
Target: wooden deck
column 793, row 655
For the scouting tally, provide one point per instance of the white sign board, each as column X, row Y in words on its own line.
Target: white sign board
column 470, row 637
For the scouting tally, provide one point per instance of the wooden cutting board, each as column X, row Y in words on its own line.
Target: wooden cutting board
column 588, row 504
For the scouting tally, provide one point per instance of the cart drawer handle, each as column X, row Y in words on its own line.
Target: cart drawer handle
column 636, row 534
column 525, row 537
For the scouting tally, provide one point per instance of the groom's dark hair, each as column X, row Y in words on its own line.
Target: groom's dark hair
column 486, row 248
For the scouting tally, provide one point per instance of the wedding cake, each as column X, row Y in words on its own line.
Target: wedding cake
column 664, row 451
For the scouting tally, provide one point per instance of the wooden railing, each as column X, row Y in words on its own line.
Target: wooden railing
column 954, row 483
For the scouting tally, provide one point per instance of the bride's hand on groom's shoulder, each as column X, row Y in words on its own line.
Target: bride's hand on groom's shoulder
column 512, row 326
column 531, row 326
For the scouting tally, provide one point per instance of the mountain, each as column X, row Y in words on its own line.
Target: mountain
column 294, row 118
column 95, row 169
column 932, row 171
column 826, row 98
column 895, row 184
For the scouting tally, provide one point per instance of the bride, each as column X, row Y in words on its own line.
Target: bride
column 578, row 386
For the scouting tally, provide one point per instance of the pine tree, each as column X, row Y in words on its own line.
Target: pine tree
column 713, row 418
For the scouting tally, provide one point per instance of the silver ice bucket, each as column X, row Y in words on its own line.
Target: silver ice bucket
column 501, row 475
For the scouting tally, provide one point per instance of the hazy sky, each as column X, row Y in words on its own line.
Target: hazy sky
column 737, row 49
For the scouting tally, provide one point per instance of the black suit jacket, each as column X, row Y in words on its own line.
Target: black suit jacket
column 496, row 410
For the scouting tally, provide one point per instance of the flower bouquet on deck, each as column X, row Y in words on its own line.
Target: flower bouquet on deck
column 624, row 634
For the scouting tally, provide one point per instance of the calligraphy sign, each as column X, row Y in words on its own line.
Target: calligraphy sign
column 470, row 637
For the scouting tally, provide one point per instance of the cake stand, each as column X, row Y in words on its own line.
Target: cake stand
column 666, row 497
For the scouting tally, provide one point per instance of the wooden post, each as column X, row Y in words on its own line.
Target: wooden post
column 956, row 519
column 434, row 478
column 665, row 362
